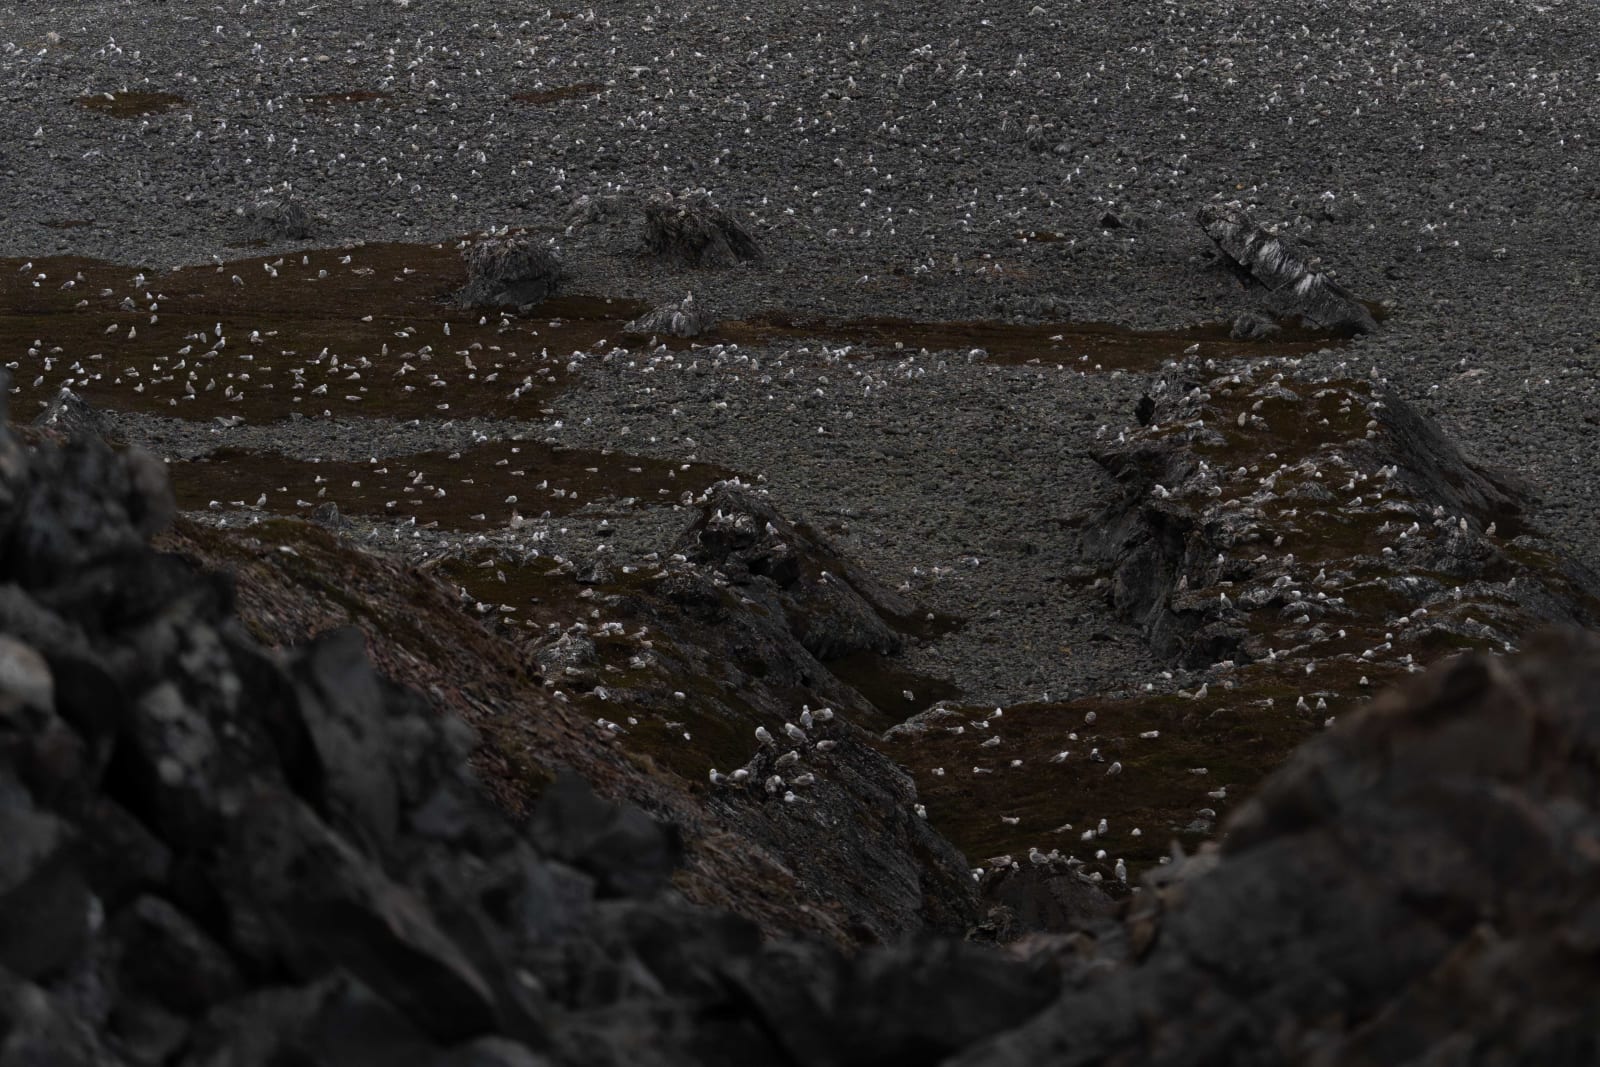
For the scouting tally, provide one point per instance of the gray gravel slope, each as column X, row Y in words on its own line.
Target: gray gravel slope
column 887, row 157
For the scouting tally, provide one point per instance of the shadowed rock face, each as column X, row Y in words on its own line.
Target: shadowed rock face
column 510, row 271
column 219, row 854
column 692, row 231
column 1294, row 285
column 1418, row 885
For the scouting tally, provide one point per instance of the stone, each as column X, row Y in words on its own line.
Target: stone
column 627, row 852
column 684, row 319
column 275, row 220
column 691, row 230
column 510, row 271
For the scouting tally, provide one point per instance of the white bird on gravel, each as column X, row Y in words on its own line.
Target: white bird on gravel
column 764, row 735
column 794, row 733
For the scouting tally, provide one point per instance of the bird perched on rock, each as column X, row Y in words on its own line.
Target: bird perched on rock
column 764, row 736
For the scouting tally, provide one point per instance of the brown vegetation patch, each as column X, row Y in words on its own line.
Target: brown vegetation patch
column 127, row 104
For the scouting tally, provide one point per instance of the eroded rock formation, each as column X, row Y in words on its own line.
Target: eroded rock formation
column 691, row 230
column 1294, row 285
column 1258, row 514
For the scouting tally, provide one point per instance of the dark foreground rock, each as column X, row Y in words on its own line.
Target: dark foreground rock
column 1293, row 283
column 1418, row 886
column 217, row 854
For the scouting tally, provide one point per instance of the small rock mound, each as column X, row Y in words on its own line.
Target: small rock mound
column 683, row 319
column 277, row 220
column 1253, row 326
column 510, row 271
column 70, row 414
column 692, row 231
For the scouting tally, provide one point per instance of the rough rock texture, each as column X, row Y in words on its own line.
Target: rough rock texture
column 277, row 220
column 69, row 413
column 745, row 616
column 1417, row 886
column 1291, row 276
column 683, row 319
column 1219, row 548
column 692, row 231
column 834, row 606
column 1253, row 326
column 216, row 854
column 510, row 271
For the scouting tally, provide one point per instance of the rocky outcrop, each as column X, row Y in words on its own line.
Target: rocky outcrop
column 691, row 230
column 684, row 319
column 276, row 220
column 1294, row 285
column 1417, row 886
column 215, row 853
column 1222, row 549
column 510, row 270
column 834, row 606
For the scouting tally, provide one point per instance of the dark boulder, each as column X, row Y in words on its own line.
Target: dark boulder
column 276, row 220
column 691, row 230
column 1253, row 326
column 510, row 270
